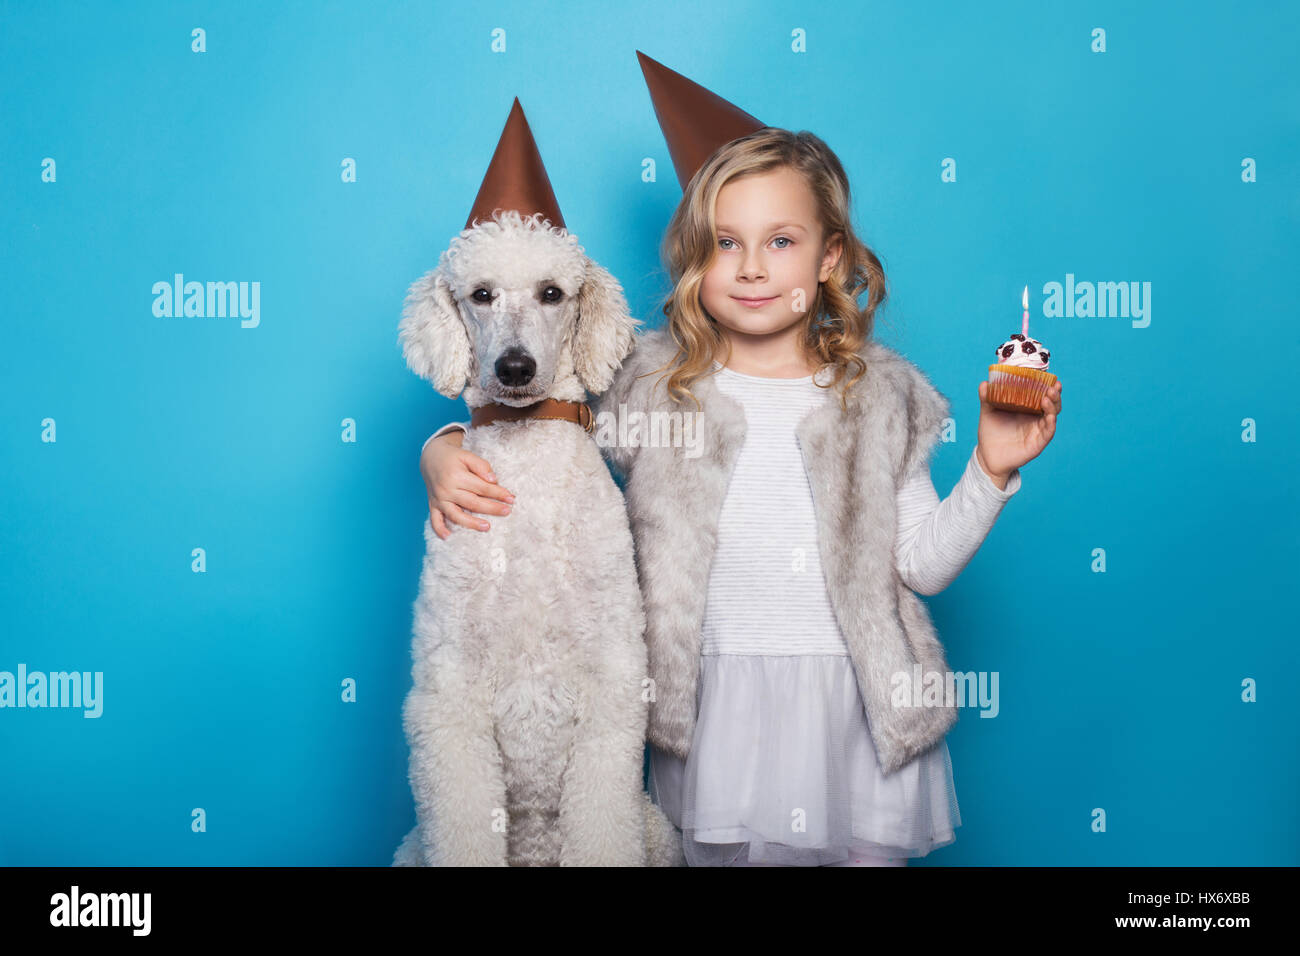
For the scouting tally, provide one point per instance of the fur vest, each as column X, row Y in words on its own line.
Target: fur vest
column 854, row 460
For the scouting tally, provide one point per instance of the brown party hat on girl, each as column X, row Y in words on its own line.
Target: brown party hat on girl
column 695, row 121
column 516, row 178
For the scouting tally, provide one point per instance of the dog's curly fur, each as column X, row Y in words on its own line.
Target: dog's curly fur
column 527, row 717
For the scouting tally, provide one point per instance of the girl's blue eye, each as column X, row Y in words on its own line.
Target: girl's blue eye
column 720, row 241
column 782, row 239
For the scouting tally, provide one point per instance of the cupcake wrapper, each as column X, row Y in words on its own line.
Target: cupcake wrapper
column 1017, row 389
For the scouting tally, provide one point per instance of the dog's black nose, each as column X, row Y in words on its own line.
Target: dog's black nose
column 515, row 368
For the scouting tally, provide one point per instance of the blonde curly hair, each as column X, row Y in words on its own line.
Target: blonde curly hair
column 835, row 328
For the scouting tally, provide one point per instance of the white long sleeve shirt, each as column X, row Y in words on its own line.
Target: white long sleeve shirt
column 767, row 593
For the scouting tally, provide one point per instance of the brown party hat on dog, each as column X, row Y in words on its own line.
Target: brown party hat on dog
column 695, row 121
column 516, row 178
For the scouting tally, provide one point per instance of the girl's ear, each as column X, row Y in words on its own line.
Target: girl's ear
column 433, row 336
column 604, row 330
column 831, row 257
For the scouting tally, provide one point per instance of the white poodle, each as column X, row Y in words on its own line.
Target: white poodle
column 527, row 717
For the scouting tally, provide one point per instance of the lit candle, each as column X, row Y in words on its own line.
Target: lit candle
column 1024, row 304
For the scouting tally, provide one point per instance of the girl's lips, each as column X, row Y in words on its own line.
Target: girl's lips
column 756, row 303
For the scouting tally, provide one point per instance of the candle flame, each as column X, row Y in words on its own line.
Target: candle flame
column 1024, row 298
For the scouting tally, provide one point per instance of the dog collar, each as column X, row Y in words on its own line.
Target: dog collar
column 553, row 408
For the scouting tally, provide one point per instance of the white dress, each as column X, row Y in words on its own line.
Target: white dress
column 782, row 768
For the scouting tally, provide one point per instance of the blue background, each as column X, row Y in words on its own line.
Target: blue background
column 1119, row 690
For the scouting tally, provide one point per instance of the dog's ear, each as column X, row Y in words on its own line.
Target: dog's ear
column 433, row 336
column 604, row 332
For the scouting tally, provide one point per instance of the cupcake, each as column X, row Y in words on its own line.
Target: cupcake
column 1019, row 380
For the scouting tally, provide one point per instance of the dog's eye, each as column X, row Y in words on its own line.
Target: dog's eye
column 481, row 295
column 552, row 294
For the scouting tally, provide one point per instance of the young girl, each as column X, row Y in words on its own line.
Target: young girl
column 779, row 764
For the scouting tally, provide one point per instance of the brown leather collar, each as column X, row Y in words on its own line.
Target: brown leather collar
column 577, row 412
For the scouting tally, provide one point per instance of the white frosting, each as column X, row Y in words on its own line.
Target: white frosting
column 1023, row 352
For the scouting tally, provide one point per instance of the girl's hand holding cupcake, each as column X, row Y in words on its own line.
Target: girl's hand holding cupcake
column 1007, row 440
